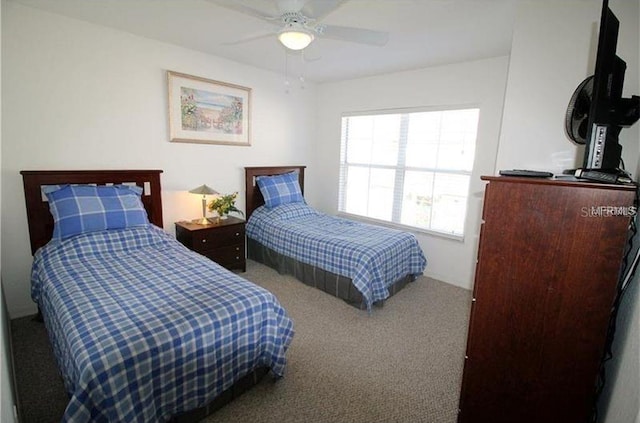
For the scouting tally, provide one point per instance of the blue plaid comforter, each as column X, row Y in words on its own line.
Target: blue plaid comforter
column 144, row 329
column 373, row 257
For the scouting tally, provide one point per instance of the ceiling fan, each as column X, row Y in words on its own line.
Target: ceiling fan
column 297, row 22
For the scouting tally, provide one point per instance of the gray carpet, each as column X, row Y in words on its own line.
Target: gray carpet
column 402, row 363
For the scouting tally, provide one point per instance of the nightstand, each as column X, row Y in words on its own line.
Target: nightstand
column 222, row 241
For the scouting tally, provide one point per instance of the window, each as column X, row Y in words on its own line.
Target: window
column 411, row 168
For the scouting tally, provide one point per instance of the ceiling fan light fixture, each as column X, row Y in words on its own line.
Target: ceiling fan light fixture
column 295, row 37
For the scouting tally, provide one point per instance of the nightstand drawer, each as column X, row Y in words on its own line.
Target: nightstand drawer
column 222, row 237
column 227, row 256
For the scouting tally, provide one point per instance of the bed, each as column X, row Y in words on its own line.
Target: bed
column 360, row 263
column 142, row 328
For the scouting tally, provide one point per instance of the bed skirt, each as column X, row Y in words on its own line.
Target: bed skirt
column 241, row 386
column 336, row 285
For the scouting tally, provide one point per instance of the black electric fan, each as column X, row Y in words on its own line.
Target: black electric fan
column 576, row 122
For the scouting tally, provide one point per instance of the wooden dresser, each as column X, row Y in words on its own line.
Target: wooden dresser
column 222, row 242
column 548, row 262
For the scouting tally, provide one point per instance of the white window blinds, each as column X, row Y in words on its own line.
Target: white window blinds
column 410, row 168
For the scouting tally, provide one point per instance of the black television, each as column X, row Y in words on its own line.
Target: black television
column 597, row 111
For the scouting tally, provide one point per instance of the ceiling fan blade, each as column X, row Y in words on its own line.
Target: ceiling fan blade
column 248, row 39
column 318, row 9
column 310, row 59
column 290, row 6
column 356, row 35
column 238, row 6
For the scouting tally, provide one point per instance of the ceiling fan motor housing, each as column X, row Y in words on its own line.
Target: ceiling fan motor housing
column 295, row 34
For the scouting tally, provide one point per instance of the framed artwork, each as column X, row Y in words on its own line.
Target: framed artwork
column 207, row 111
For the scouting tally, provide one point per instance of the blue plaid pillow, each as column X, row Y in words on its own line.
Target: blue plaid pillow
column 78, row 209
column 280, row 189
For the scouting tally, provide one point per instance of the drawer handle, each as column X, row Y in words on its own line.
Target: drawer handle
column 237, row 233
column 204, row 240
column 237, row 248
column 237, row 258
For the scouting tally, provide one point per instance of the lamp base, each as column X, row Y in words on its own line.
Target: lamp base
column 202, row 221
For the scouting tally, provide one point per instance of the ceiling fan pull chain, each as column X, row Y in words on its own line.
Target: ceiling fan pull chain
column 302, row 71
column 286, row 71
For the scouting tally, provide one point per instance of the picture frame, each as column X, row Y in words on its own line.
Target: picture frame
column 206, row 111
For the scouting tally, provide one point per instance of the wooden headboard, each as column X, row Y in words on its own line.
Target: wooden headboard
column 253, row 196
column 38, row 216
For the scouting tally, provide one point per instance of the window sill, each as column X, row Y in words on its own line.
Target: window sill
column 413, row 229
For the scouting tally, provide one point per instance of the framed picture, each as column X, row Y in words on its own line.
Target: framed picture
column 207, row 111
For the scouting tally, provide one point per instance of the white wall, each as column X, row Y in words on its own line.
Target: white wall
column 80, row 96
column 479, row 83
column 553, row 50
column 7, row 396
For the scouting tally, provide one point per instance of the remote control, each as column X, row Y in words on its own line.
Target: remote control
column 527, row 173
column 595, row 175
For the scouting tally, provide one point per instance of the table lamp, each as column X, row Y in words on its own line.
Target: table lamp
column 204, row 191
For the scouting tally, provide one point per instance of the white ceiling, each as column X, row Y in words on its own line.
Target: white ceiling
column 422, row 33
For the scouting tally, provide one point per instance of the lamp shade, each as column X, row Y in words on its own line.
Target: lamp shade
column 204, row 190
column 295, row 37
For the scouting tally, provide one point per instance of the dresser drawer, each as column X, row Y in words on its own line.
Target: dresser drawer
column 222, row 237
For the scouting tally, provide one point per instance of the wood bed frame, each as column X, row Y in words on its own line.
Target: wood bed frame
column 41, row 229
column 39, row 218
column 253, row 196
column 331, row 283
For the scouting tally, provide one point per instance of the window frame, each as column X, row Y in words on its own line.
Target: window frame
column 400, row 170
